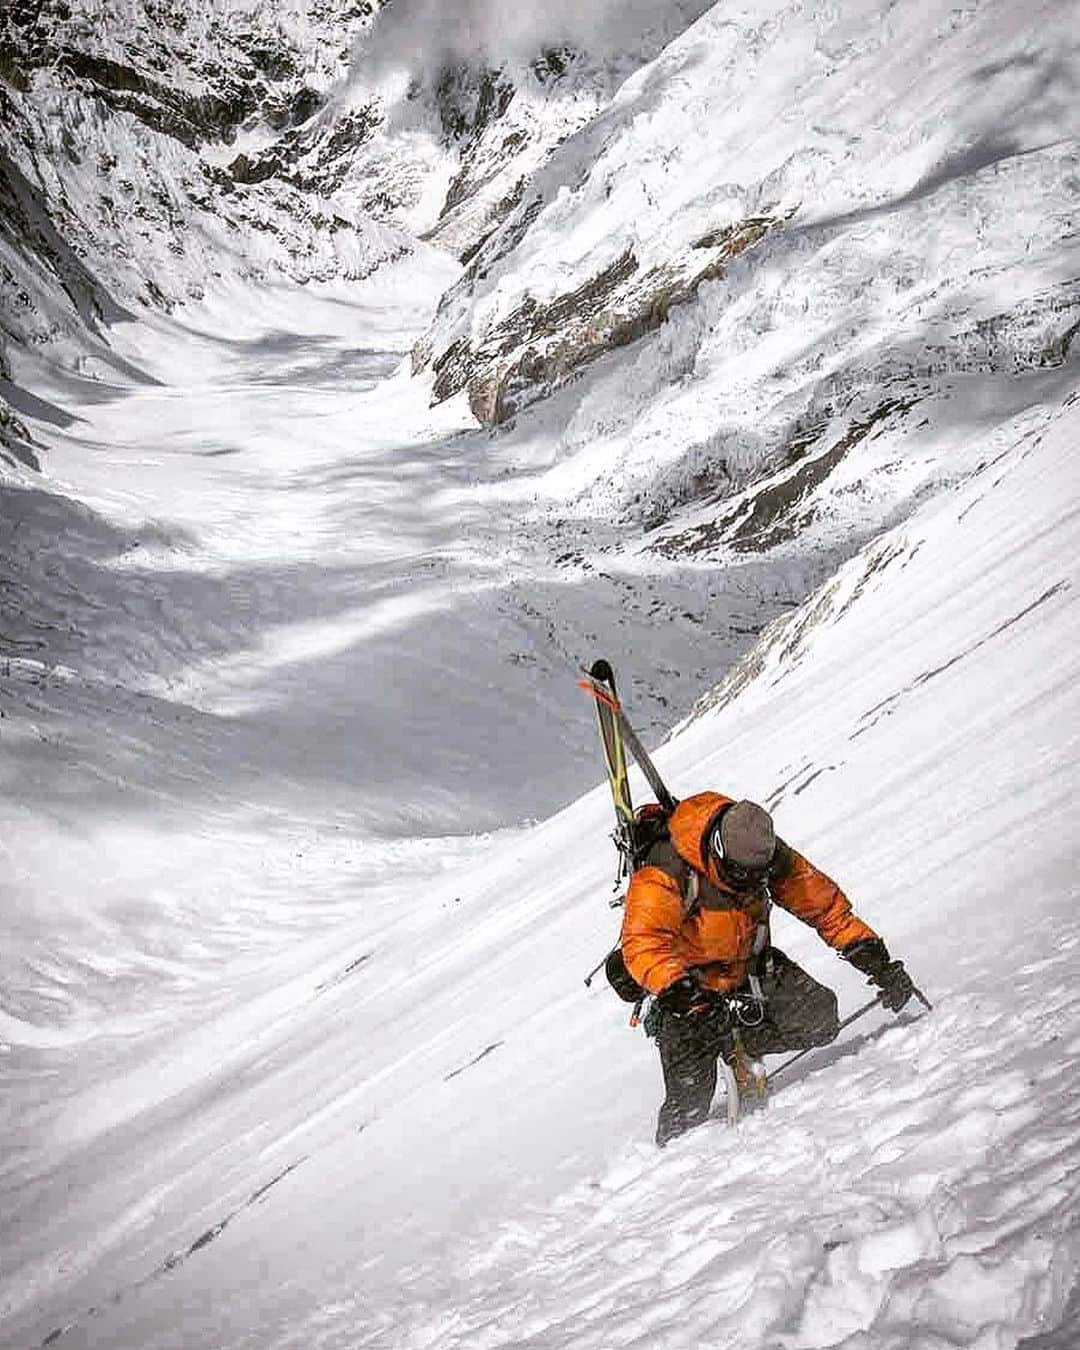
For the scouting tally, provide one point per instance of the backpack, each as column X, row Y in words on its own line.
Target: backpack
column 621, row 980
column 651, row 845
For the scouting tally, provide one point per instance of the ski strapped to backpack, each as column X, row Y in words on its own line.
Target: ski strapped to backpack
column 601, row 685
column 633, row 836
column 636, row 832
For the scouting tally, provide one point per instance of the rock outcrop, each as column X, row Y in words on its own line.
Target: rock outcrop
column 540, row 344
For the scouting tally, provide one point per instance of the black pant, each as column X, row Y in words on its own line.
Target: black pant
column 799, row 1013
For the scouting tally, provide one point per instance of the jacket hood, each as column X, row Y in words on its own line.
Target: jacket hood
column 689, row 826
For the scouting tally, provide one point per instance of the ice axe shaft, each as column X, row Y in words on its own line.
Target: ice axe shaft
column 594, row 972
column 860, row 1012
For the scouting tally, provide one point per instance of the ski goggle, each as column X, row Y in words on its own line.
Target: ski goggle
column 742, row 877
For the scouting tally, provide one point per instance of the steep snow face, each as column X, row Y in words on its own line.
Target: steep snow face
column 876, row 297
column 420, row 1130
column 474, row 98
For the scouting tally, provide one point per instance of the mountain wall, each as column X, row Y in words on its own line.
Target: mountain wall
column 126, row 141
column 771, row 248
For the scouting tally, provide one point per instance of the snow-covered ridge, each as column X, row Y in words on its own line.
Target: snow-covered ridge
column 776, row 115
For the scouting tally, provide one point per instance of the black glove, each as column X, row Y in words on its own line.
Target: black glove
column 686, row 998
column 871, row 957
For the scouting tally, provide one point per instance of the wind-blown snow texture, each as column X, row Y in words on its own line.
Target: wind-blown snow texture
column 294, row 1041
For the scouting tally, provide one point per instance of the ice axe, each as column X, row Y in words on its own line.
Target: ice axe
column 854, row 1017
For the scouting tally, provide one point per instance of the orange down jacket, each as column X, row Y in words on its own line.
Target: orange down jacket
column 661, row 941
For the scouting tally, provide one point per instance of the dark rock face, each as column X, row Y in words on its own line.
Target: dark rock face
column 26, row 225
column 314, row 157
column 190, row 118
column 538, row 346
column 136, row 71
column 16, row 443
column 469, row 101
column 777, row 512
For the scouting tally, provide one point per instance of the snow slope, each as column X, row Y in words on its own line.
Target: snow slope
column 294, row 1041
column 468, row 1132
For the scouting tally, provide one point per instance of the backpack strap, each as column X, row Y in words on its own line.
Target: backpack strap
column 691, row 891
column 664, row 856
column 759, row 954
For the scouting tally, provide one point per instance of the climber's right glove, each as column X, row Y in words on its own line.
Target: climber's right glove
column 871, row 957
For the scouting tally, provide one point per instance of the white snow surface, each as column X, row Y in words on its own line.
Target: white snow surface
column 293, row 1036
